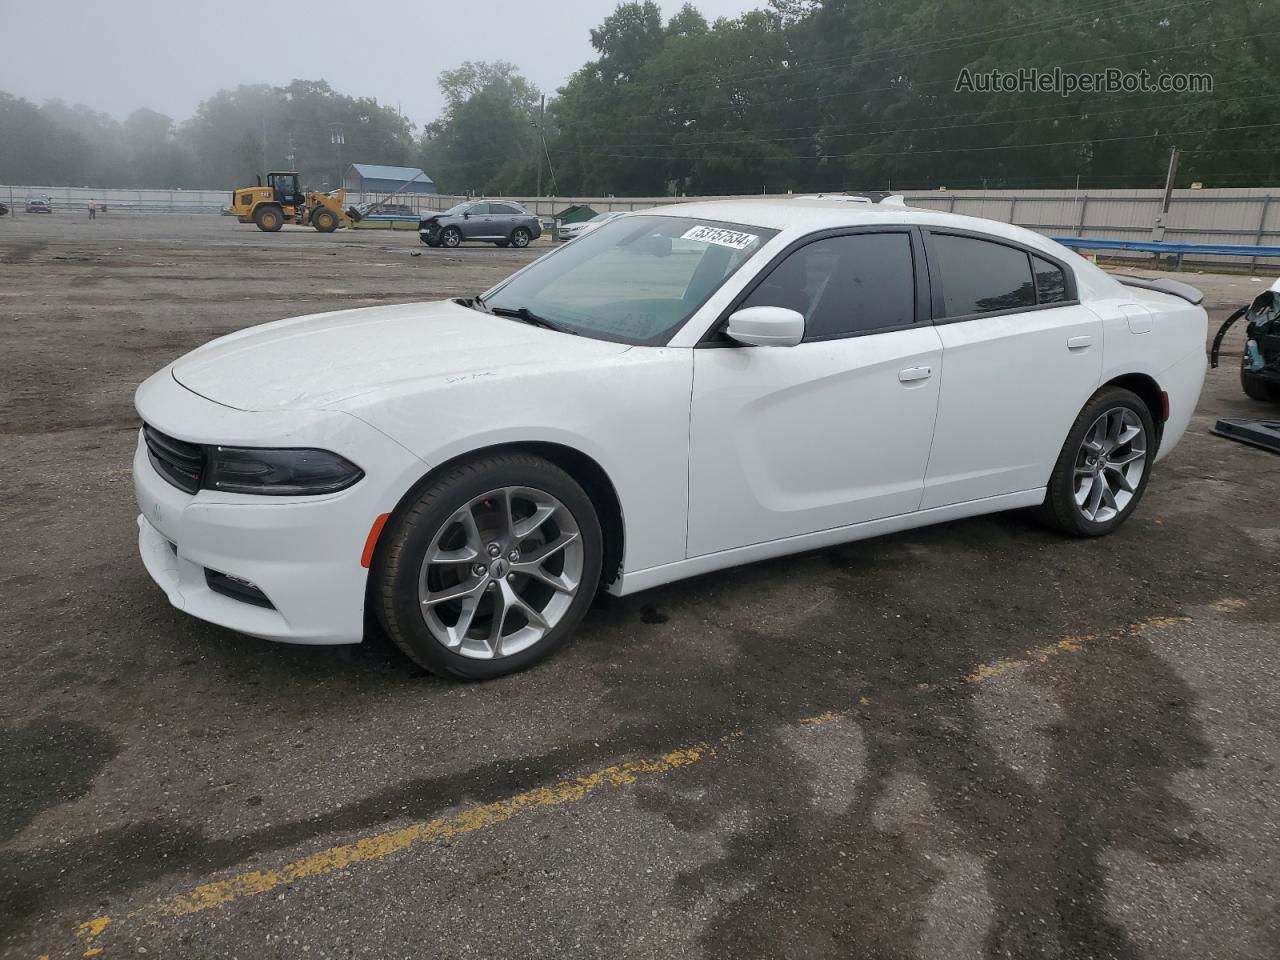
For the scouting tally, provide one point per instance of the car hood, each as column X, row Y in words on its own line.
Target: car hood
column 325, row 359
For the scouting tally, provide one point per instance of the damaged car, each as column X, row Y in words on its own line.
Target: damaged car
column 1260, row 359
column 500, row 222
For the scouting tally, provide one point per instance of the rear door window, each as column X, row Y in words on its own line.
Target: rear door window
column 979, row 276
column 1051, row 281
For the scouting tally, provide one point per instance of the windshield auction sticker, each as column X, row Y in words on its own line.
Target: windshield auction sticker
column 721, row 237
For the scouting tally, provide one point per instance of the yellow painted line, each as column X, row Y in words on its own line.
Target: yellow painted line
column 821, row 718
column 208, row 896
column 382, row 845
column 986, row 671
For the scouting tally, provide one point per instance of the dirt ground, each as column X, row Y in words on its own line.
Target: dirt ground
column 980, row 739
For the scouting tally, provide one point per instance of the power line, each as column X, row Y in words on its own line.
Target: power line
column 913, row 130
column 935, row 46
column 933, row 83
column 1052, row 22
column 908, row 153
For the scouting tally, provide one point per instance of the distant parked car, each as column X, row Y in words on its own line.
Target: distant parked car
column 39, row 205
column 3, row 209
column 502, row 222
column 571, row 231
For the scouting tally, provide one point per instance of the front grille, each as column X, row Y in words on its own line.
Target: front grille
column 177, row 461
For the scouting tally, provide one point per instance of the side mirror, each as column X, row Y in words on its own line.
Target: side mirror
column 766, row 326
column 467, row 215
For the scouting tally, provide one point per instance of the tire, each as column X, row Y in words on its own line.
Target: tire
column 269, row 219
column 1121, row 468
column 450, row 237
column 324, row 220
column 520, row 237
column 502, row 243
column 421, row 605
column 1256, row 388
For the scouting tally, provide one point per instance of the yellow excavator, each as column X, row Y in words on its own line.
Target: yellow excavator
column 281, row 202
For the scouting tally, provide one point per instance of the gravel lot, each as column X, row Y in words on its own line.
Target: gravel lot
column 974, row 740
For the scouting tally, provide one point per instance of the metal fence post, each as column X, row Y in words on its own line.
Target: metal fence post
column 1262, row 229
column 1084, row 205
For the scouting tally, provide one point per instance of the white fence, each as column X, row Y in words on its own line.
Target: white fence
column 1227, row 215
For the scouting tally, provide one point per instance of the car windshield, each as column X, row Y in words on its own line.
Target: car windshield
column 457, row 210
column 634, row 279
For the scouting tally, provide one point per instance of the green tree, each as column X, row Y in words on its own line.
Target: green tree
column 486, row 141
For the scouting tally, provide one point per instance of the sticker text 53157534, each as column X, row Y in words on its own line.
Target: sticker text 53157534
column 721, row 237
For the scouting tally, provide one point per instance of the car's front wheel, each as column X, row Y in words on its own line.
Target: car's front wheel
column 490, row 568
column 450, row 237
column 1103, row 468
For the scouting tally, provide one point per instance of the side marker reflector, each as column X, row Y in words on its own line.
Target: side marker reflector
column 1164, row 405
column 371, row 541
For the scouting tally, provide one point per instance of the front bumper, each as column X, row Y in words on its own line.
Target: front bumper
column 302, row 553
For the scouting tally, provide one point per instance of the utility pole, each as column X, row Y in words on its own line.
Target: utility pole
column 1169, row 178
column 542, row 110
column 1157, row 231
column 337, row 138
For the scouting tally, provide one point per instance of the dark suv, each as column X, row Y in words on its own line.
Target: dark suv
column 503, row 222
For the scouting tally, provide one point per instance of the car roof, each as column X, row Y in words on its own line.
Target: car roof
column 797, row 216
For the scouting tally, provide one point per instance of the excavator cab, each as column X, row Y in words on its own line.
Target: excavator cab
column 285, row 187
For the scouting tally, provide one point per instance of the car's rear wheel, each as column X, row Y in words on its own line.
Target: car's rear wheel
column 1104, row 465
column 450, row 237
column 490, row 568
column 268, row 219
column 520, row 237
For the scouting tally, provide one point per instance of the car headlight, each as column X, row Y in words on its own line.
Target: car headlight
column 279, row 473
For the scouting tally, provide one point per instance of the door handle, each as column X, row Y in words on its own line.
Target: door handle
column 1079, row 343
column 915, row 373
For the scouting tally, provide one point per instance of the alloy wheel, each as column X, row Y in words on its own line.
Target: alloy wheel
column 1109, row 464
column 501, row 572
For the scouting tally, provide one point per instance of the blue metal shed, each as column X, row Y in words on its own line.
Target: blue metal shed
column 379, row 178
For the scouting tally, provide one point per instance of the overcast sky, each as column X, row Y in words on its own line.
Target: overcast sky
column 118, row 55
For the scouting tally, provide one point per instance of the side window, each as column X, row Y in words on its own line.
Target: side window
column 478, row 209
column 1051, row 282
column 981, row 277
column 505, row 209
column 845, row 285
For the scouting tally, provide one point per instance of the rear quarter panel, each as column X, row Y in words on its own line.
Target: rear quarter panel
column 1163, row 337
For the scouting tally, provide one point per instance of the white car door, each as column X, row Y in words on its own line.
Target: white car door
column 836, row 430
column 1022, row 357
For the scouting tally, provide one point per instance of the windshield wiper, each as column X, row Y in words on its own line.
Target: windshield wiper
column 525, row 315
column 477, row 303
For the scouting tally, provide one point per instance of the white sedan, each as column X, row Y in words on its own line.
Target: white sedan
column 572, row 231
column 678, row 391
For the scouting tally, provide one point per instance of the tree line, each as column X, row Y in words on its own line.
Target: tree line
column 800, row 95
column 234, row 135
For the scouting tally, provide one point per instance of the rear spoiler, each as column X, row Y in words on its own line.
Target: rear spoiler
column 1164, row 285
